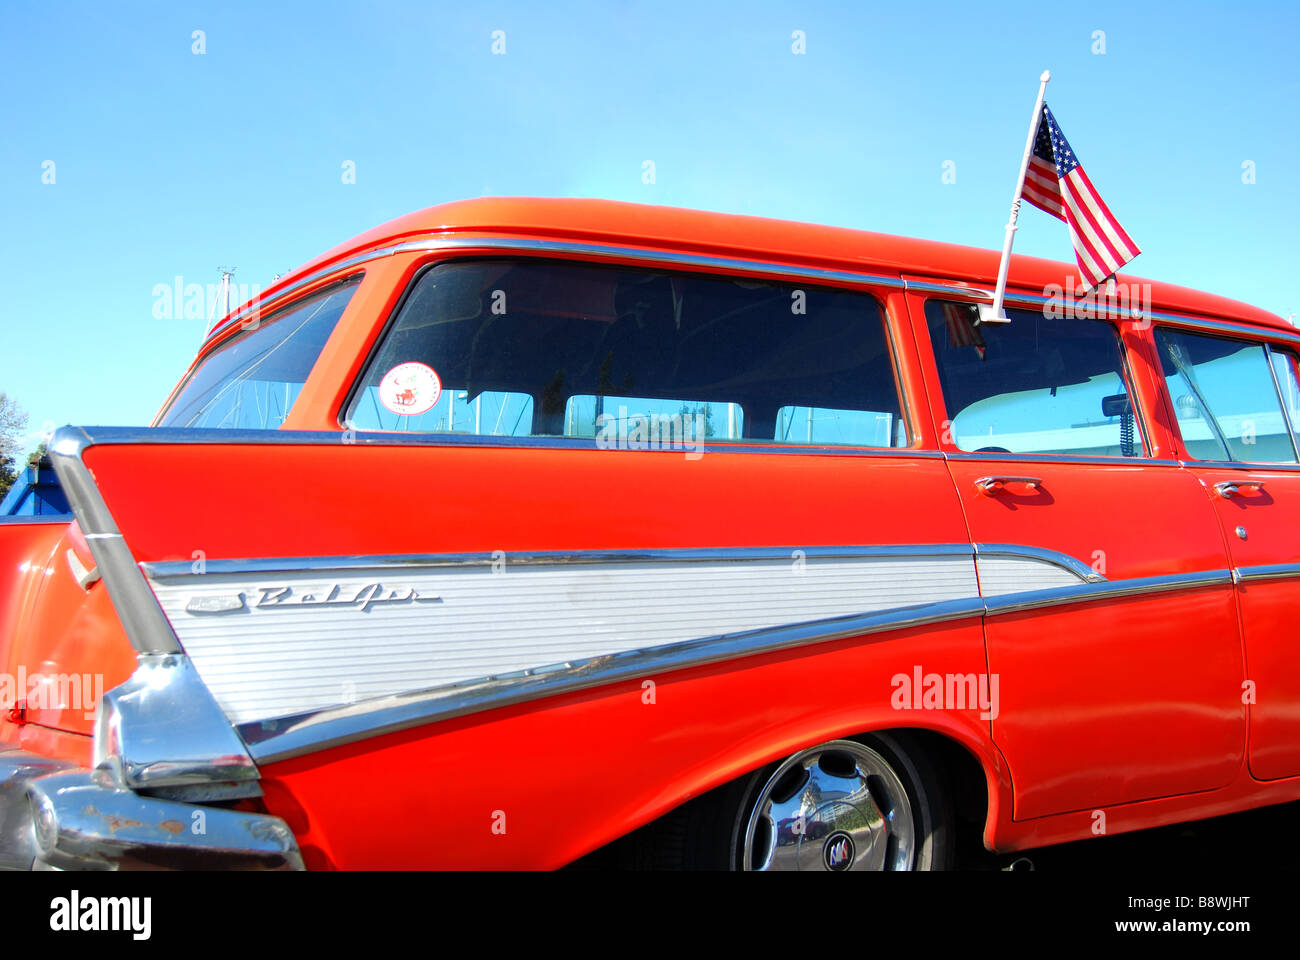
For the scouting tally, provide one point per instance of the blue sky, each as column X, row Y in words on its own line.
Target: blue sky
column 168, row 163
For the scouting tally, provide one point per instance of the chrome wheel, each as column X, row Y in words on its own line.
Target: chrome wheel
column 838, row 806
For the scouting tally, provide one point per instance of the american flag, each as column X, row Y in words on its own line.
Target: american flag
column 960, row 319
column 1056, row 183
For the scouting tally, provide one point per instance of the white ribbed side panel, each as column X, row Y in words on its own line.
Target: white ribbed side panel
column 999, row 575
column 262, row 663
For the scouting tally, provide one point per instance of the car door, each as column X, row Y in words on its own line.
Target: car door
column 1235, row 401
column 1119, row 673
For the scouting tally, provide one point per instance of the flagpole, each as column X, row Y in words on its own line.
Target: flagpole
column 994, row 313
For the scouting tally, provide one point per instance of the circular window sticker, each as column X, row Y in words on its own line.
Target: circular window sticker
column 410, row 389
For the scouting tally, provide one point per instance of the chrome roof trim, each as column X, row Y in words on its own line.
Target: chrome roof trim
column 270, row 303
column 571, row 248
column 1227, row 328
column 641, row 254
column 653, row 256
column 1107, row 310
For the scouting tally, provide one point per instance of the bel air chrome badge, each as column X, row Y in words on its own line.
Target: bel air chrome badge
column 361, row 598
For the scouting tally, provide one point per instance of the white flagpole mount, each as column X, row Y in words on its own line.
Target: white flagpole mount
column 993, row 313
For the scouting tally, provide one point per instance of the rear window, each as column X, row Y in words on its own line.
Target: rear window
column 252, row 380
column 551, row 349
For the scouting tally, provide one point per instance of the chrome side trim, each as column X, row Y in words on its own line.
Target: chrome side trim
column 173, row 569
column 1253, row 466
column 81, row 820
column 192, row 435
column 1059, row 458
column 162, row 728
column 178, row 435
column 1109, row 590
column 1064, row 560
column 1270, row 571
column 288, row 737
column 573, row 248
column 284, row 738
column 135, row 603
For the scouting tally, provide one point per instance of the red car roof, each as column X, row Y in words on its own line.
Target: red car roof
column 722, row 234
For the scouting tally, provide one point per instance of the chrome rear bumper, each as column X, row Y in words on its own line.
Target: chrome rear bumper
column 54, row 816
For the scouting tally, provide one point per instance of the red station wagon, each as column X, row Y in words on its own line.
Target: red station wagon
column 517, row 533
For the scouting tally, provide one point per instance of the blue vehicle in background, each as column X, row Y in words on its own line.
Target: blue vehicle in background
column 36, row 492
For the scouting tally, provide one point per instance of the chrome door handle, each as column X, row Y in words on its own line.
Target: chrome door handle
column 991, row 485
column 1230, row 488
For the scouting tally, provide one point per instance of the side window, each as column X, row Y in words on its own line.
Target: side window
column 1035, row 385
column 1225, row 397
column 1287, row 368
column 636, row 358
column 252, row 380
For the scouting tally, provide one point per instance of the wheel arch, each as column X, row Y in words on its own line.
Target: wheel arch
column 977, row 774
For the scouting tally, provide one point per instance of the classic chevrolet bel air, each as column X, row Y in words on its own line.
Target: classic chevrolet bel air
column 531, row 533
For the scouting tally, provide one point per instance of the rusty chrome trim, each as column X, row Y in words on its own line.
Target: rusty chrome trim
column 82, row 820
